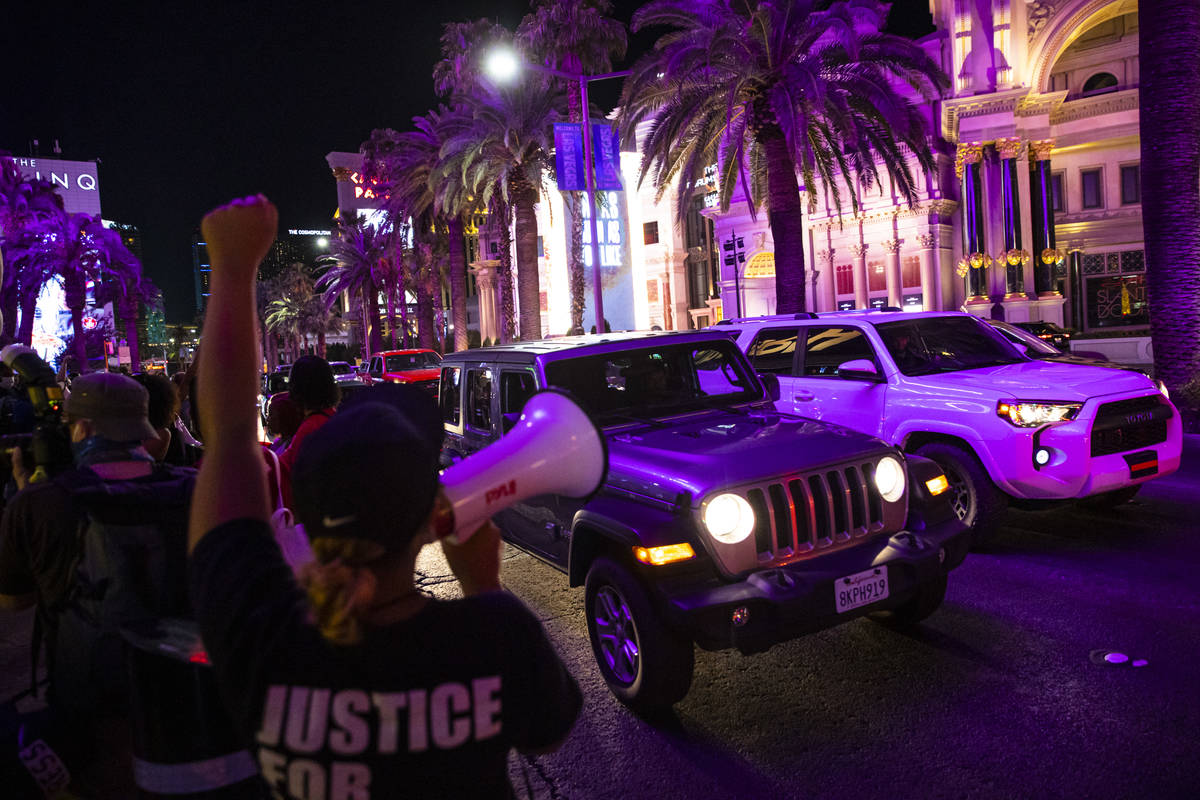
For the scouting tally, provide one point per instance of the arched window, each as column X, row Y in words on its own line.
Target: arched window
column 1100, row 83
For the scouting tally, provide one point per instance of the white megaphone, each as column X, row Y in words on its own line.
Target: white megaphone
column 554, row 448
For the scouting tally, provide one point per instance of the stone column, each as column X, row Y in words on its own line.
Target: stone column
column 1041, row 201
column 1014, row 270
column 829, row 285
column 968, row 165
column 895, row 283
column 485, row 280
column 860, row 276
column 929, row 283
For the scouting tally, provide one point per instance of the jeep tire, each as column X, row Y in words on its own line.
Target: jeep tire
column 648, row 667
column 975, row 499
column 927, row 600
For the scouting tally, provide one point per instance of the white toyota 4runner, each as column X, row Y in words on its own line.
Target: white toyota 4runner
column 946, row 385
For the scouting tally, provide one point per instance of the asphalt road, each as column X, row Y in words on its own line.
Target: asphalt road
column 1003, row 693
column 1000, row 694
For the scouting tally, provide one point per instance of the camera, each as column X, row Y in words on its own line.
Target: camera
column 32, row 418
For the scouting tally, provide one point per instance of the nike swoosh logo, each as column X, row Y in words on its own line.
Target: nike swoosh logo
column 337, row 522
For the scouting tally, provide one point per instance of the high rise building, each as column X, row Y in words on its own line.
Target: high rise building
column 294, row 245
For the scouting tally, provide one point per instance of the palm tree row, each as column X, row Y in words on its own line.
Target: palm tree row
column 40, row 242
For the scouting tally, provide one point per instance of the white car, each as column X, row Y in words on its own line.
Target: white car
column 1004, row 427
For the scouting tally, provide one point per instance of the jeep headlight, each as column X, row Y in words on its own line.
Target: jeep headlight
column 729, row 518
column 889, row 479
column 1031, row 414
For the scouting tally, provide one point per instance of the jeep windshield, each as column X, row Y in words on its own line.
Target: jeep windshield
column 927, row 345
column 656, row 381
column 405, row 361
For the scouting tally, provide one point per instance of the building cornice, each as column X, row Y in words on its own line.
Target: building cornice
column 940, row 208
column 956, row 109
column 1088, row 107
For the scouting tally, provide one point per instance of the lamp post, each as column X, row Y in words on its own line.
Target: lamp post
column 503, row 65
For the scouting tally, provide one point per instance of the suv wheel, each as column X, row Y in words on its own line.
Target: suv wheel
column 1103, row 502
column 927, row 600
column 975, row 499
column 647, row 666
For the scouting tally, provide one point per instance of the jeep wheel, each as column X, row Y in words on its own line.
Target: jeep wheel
column 1109, row 500
column 926, row 601
column 975, row 499
column 647, row 666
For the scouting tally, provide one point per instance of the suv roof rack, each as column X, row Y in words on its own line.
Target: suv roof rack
column 797, row 315
column 850, row 311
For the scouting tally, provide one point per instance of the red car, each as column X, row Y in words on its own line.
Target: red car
column 418, row 367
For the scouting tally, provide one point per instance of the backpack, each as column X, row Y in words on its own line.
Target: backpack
column 130, row 569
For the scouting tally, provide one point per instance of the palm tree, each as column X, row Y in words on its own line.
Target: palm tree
column 22, row 203
column 576, row 37
column 505, row 148
column 76, row 248
column 351, row 266
column 765, row 88
column 285, row 319
column 1169, row 37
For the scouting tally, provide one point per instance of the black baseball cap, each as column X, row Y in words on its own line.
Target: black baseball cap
column 371, row 471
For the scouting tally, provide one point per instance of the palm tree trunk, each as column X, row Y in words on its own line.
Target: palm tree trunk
column 1169, row 38
column 75, row 298
column 504, row 217
column 28, row 309
column 321, row 343
column 577, row 281
column 785, row 215
column 528, row 289
column 373, row 305
column 365, row 332
column 390, row 296
column 458, row 282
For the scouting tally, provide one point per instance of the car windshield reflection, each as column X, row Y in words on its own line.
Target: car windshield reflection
column 407, row 361
column 632, row 385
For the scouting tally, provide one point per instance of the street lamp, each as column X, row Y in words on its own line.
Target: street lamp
column 503, row 65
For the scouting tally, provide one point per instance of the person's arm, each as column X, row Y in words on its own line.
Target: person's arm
column 232, row 481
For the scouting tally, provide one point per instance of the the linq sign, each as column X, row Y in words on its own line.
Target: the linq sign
column 76, row 181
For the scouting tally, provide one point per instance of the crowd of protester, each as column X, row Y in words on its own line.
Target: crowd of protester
column 341, row 679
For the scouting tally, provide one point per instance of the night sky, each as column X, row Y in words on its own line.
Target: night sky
column 188, row 104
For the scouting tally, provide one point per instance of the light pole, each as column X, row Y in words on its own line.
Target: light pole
column 503, row 65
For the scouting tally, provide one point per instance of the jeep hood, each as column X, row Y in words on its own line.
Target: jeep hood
column 1039, row 380
column 718, row 449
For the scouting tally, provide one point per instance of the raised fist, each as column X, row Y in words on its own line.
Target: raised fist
column 239, row 234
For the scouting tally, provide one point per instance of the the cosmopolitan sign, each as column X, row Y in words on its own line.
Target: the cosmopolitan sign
column 75, row 181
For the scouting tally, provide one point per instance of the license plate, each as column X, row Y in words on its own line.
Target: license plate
column 860, row 589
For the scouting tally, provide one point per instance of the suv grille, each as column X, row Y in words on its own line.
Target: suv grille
column 818, row 511
column 1130, row 424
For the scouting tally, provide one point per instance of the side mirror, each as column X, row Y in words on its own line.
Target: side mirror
column 770, row 382
column 507, row 421
column 860, row 369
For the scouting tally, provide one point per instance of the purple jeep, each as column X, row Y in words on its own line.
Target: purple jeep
column 722, row 522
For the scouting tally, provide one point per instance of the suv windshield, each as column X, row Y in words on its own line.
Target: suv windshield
column 341, row 368
column 945, row 344
column 407, row 361
column 1025, row 341
column 681, row 377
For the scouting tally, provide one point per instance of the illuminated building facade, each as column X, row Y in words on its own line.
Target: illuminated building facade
column 1034, row 209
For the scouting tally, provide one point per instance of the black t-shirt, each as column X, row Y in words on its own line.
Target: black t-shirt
column 427, row 707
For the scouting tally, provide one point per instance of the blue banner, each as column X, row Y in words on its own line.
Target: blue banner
column 568, row 156
column 606, row 151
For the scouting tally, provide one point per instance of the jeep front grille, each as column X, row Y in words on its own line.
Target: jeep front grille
column 818, row 511
column 1132, row 424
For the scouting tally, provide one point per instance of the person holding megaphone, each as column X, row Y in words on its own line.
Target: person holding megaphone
column 349, row 682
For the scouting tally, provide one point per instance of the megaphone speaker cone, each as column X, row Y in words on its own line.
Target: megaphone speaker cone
column 554, row 448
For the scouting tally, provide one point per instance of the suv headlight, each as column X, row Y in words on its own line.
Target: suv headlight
column 729, row 518
column 1030, row 413
column 889, row 479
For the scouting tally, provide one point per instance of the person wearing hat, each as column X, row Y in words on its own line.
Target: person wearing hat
column 45, row 534
column 351, row 681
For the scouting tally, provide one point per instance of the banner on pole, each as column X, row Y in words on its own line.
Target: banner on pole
column 568, row 157
column 606, row 150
